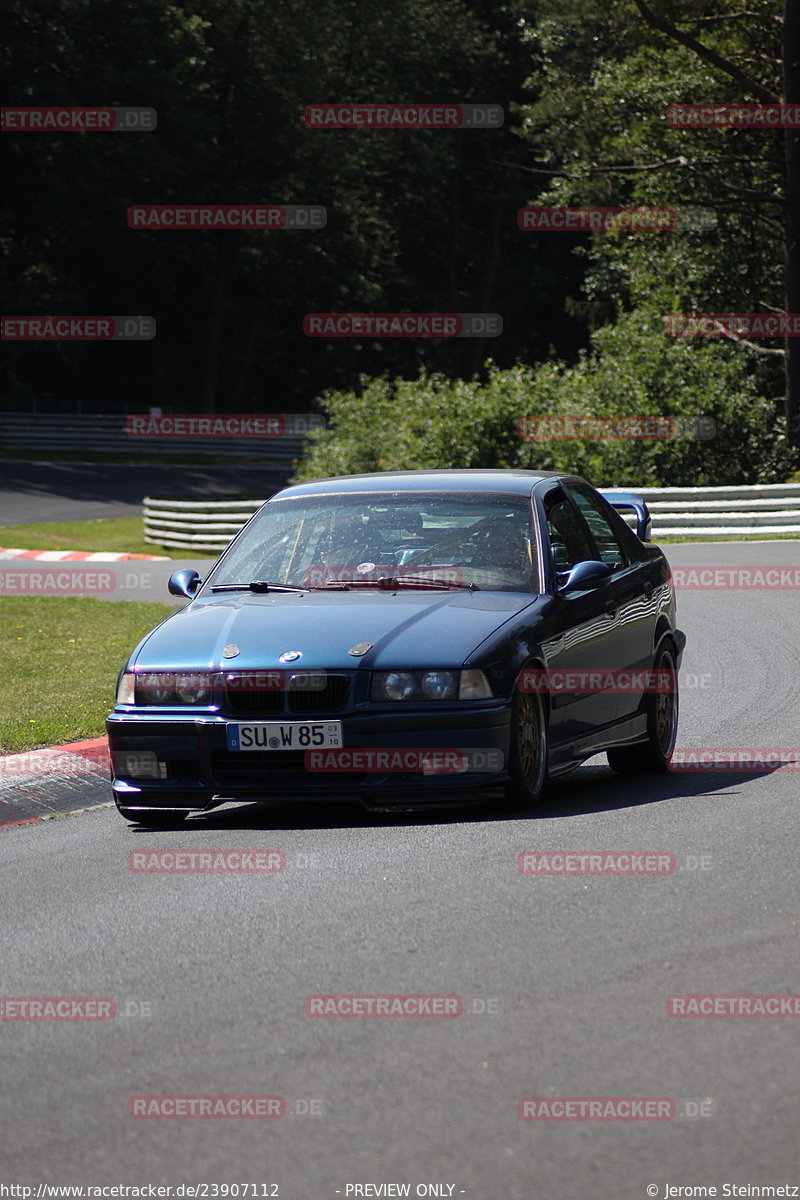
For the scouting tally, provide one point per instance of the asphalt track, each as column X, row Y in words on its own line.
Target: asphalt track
column 564, row 980
column 34, row 491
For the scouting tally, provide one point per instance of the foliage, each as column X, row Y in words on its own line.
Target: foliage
column 416, row 220
column 632, row 368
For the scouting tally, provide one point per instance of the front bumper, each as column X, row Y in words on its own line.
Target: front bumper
column 197, row 772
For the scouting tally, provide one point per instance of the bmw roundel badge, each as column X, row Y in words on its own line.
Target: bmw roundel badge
column 290, row 656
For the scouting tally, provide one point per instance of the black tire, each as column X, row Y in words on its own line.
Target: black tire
column 528, row 751
column 662, row 708
column 154, row 817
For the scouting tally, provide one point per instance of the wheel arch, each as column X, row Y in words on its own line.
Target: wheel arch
column 664, row 633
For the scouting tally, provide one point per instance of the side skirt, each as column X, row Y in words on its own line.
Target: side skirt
column 567, row 755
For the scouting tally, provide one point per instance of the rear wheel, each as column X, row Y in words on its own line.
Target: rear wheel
column 154, row 816
column 528, row 759
column 662, row 727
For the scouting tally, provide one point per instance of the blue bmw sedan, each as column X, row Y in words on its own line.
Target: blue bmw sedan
column 405, row 639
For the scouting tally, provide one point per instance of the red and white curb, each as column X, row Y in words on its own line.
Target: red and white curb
column 39, row 784
column 76, row 556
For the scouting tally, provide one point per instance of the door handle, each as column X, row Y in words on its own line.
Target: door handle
column 648, row 588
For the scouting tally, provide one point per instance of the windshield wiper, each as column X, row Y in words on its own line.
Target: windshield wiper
column 392, row 582
column 257, row 585
column 427, row 581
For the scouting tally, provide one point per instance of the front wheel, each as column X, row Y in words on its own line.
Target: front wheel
column 528, row 759
column 662, row 727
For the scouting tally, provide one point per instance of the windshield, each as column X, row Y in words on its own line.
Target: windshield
column 452, row 539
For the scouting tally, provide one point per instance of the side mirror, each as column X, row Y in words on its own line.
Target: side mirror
column 585, row 575
column 184, row 582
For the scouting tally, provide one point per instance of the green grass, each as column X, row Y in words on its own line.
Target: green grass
column 60, row 660
column 118, row 534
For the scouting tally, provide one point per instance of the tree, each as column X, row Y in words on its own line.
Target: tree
column 600, row 136
column 790, row 74
column 415, row 220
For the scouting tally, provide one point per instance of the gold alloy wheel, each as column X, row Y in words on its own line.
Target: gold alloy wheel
column 530, row 743
column 666, row 708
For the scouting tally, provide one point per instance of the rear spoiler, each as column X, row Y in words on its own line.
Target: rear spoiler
column 629, row 500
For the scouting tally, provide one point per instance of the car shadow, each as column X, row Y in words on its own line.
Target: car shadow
column 587, row 790
column 596, row 788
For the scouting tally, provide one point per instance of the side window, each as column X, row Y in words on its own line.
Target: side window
column 609, row 544
column 568, row 541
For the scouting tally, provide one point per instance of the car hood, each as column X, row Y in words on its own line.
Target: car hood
column 405, row 629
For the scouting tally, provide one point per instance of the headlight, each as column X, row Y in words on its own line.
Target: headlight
column 440, row 685
column 125, row 688
column 430, row 685
column 397, row 685
column 155, row 687
column 193, row 689
column 168, row 688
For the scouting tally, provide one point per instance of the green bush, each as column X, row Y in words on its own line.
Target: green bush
column 633, row 368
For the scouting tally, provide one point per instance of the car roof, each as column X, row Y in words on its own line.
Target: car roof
column 478, row 479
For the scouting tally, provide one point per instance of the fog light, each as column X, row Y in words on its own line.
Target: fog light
column 138, row 764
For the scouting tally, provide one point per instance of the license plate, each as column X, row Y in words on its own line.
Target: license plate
column 285, row 735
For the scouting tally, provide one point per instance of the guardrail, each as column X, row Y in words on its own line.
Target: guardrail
column 714, row 512
column 676, row 512
column 196, row 524
column 117, row 434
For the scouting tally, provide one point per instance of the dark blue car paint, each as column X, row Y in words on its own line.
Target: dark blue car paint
column 620, row 623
